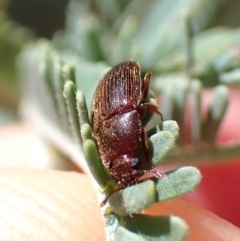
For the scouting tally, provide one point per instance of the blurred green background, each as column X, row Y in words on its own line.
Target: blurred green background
column 25, row 20
column 20, row 22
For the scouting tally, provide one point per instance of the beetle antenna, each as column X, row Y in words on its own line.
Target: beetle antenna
column 156, row 173
column 119, row 187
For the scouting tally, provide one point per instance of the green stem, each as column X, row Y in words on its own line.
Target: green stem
column 204, row 155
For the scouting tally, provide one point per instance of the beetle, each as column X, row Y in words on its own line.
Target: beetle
column 119, row 106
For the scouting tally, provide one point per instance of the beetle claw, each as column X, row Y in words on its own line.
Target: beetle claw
column 158, row 174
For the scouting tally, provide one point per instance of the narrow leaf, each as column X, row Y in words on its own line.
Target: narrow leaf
column 133, row 199
column 82, row 108
column 70, row 96
column 178, row 182
column 94, row 163
column 216, row 113
column 158, row 228
column 162, row 144
column 195, row 94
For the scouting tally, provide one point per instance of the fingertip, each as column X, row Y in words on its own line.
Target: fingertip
column 44, row 205
column 203, row 225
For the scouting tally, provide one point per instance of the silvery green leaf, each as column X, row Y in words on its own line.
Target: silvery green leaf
column 69, row 93
column 133, row 199
column 140, row 196
column 178, row 182
column 151, row 228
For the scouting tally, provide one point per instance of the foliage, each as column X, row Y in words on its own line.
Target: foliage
column 166, row 37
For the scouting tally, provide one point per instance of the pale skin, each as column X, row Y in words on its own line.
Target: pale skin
column 58, row 205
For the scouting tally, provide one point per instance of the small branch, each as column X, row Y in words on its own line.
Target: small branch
column 204, row 154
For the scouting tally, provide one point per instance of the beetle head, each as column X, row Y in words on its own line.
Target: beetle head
column 123, row 170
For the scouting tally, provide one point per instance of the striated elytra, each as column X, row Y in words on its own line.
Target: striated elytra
column 119, row 106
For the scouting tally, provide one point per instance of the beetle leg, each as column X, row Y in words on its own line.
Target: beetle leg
column 152, row 107
column 145, row 86
column 156, row 173
column 118, row 188
column 145, row 146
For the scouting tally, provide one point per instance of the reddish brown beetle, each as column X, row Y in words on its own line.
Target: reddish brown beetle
column 119, row 105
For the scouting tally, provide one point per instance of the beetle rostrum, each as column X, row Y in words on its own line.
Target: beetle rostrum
column 119, row 106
